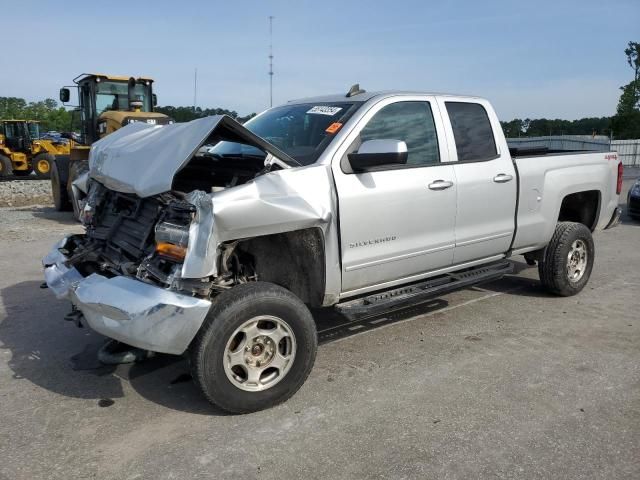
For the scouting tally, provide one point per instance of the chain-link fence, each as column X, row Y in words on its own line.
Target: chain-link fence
column 628, row 151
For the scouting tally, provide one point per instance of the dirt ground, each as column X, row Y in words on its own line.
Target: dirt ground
column 18, row 193
column 497, row 381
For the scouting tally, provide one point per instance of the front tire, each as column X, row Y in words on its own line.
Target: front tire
column 59, row 187
column 568, row 259
column 255, row 349
column 43, row 164
column 6, row 168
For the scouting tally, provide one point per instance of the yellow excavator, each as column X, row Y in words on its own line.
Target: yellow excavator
column 23, row 151
column 105, row 104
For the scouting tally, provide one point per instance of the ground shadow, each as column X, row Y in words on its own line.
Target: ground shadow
column 50, row 213
column 57, row 356
column 625, row 219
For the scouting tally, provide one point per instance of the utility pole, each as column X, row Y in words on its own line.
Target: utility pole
column 195, row 89
column 271, row 60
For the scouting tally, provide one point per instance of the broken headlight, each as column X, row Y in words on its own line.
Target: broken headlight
column 172, row 241
column 172, row 233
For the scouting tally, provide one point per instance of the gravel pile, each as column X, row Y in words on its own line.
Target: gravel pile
column 18, row 193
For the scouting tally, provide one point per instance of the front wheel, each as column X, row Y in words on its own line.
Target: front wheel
column 568, row 259
column 42, row 164
column 5, row 166
column 255, row 349
column 59, row 189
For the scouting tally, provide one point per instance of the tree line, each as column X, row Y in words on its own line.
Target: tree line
column 55, row 117
column 542, row 126
column 51, row 116
column 625, row 124
column 186, row 114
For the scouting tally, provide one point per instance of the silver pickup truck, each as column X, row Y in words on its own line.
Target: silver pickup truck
column 213, row 239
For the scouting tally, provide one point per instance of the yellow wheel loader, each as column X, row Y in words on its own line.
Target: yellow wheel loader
column 23, row 151
column 105, row 104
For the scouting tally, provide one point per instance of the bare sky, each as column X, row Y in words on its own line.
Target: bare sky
column 554, row 59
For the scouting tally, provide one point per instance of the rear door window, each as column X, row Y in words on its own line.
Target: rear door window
column 472, row 131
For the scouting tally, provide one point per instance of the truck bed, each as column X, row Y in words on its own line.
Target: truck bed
column 546, row 178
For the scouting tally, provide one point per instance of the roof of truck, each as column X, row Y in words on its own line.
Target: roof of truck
column 363, row 97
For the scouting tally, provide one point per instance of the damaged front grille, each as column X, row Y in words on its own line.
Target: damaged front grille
column 125, row 223
column 121, row 235
column 147, row 239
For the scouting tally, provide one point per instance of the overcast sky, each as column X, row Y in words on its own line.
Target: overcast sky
column 554, row 59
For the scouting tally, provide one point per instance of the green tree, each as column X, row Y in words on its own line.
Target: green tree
column 626, row 122
column 46, row 111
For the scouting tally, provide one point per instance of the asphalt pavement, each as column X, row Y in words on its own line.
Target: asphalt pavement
column 496, row 381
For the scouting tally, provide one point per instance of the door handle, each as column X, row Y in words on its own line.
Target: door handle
column 502, row 178
column 440, row 185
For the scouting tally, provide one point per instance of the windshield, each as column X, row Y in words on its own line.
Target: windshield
column 15, row 130
column 115, row 96
column 302, row 131
column 34, row 130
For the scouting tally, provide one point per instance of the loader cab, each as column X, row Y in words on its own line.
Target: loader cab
column 16, row 135
column 103, row 99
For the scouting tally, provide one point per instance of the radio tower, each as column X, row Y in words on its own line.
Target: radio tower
column 271, row 60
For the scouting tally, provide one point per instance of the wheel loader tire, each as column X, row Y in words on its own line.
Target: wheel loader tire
column 42, row 165
column 22, row 173
column 59, row 180
column 5, row 166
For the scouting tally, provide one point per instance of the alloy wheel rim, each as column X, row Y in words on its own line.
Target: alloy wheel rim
column 259, row 353
column 577, row 260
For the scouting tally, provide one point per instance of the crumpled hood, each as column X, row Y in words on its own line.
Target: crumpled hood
column 143, row 159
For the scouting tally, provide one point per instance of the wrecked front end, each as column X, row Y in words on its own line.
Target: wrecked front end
column 162, row 240
column 123, row 275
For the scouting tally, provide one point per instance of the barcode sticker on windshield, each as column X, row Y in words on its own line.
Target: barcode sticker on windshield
column 324, row 110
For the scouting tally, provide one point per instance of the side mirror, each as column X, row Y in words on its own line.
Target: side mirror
column 65, row 95
column 377, row 153
column 131, row 85
column 154, row 98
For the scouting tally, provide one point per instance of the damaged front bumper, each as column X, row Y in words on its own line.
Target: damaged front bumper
column 125, row 309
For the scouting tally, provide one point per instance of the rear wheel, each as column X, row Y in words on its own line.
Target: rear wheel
column 567, row 260
column 255, row 348
column 5, row 166
column 42, row 164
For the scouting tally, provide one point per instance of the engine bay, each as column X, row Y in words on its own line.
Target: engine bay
column 146, row 239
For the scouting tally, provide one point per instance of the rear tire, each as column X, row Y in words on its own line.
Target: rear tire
column 237, row 335
column 6, row 168
column 59, row 177
column 567, row 260
column 42, row 164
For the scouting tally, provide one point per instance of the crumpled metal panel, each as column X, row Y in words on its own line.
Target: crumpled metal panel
column 277, row 202
column 126, row 309
column 142, row 159
column 139, row 314
column 60, row 278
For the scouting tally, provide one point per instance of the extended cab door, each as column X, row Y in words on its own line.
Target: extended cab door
column 396, row 221
column 486, row 180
